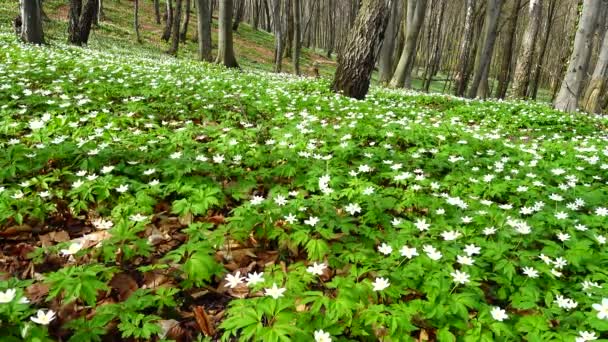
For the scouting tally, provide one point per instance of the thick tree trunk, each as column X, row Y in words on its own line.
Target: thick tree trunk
column 414, row 17
column 156, row 11
column 74, row 22
column 177, row 15
column 480, row 78
column 598, row 86
column 278, row 36
column 297, row 41
column 168, row 21
column 289, row 37
column 524, row 61
column 204, row 30
column 508, row 51
column 86, row 20
column 225, row 53
column 388, row 45
column 136, row 20
column 571, row 87
column 533, row 89
column 31, row 19
column 184, row 31
column 356, row 63
column 238, row 15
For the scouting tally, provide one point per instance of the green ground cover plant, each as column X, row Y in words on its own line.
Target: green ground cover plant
column 158, row 199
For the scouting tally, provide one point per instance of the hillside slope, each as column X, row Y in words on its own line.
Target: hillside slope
column 254, row 49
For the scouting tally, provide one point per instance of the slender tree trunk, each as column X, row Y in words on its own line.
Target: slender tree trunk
column 136, row 20
column 99, row 12
column 289, row 37
column 256, row 14
column 508, row 51
column 356, row 63
column 225, row 54
column 414, row 17
column 598, row 85
column 184, row 31
column 480, row 78
column 238, row 15
column 570, row 90
column 524, row 61
column 31, row 19
column 156, row 11
column 388, row 45
column 332, row 27
column 168, row 21
column 435, row 51
column 297, row 41
column 204, row 30
column 278, row 36
column 175, row 28
column 533, row 89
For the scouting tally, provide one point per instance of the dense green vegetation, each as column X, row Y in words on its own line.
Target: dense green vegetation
column 144, row 198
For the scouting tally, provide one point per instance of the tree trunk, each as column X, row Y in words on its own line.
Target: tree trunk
column 136, row 20
column 256, row 14
column 278, row 36
column 508, row 51
column 570, row 90
column 177, row 16
column 596, row 90
column 524, row 61
column 168, row 21
column 238, row 15
column 533, row 89
column 289, row 37
column 332, row 27
column 184, row 31
column 356, row 63
column 225, row 53
column 297, row 41
column 31, row 22
column 99, row 12
column 414, row 16
column 435, row 52
column 480, row 78
column 388, row 45
column 204, row 30
column 156, row 11
column 73, row 22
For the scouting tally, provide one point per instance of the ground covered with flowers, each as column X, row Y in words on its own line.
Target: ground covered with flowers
column 153, row 199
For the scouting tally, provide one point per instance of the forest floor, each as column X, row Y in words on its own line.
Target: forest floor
column 148, row 198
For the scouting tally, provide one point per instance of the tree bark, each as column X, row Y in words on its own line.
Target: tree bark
column 297, row 40
column 571, row 87
column 533, row 89
column 414, row 16
column 99, row 12
column 524, row 61
column 388, row 45
column 74, row 22
column 184, row 31
column 31, row 22
column 238, row 15
column 168, row 21
column 598, row 86
column 480, row 78
column 278, row 36
column 156, row 11
column 177, row 16
column 508, row 51
column 356, row 63
column 86, row 20
column 136, row 20
column 204, row 30
column 225, row 54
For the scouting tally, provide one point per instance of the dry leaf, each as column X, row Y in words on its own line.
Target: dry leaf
column 203, row 321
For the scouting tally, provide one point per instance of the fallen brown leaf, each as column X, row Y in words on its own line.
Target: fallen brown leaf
column 203, row 321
